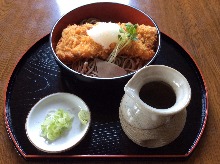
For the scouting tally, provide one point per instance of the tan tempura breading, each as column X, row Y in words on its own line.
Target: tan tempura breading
column 75, row 44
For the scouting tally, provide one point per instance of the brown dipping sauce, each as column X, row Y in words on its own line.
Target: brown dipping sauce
column 158, row 94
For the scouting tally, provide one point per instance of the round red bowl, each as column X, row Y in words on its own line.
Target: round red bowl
column 105, row 12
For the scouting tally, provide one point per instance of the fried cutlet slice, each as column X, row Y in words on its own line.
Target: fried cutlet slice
column 75, row 44
column 144, row 46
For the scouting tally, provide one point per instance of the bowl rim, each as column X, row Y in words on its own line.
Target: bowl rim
column 101, row 78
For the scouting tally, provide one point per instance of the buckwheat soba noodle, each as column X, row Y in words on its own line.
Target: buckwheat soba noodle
column 81, row 45
column 88, row 66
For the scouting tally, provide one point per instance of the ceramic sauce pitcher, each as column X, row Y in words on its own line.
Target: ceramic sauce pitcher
column 140, row 115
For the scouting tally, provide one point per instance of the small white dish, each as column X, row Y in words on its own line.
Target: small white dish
column 66, row 101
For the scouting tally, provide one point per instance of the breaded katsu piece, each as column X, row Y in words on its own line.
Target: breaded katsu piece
column 76, row 44
column 143, row 47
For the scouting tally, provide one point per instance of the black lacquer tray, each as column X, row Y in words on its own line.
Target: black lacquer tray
column 37, row 75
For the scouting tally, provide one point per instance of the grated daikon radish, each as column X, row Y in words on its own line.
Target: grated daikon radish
column 104, row 33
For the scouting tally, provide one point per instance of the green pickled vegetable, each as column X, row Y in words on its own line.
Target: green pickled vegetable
column 55, row 124
column 84, row 116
